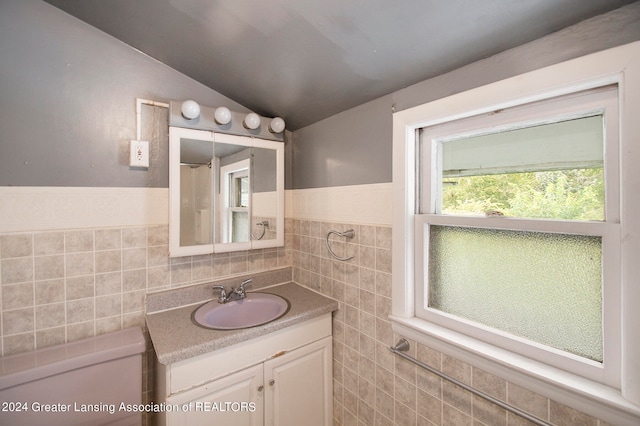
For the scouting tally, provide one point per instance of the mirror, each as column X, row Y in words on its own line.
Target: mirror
column 226, row 192
column 265, row 195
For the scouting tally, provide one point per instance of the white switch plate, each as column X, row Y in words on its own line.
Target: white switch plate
column 139, row 154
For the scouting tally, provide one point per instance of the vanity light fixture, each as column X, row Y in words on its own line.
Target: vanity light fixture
column 252, row 121
column 222, row 115
column 190, row 110
column 276, row 125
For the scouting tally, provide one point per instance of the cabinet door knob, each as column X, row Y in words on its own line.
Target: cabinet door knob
column 272, row 382
column 260, row 388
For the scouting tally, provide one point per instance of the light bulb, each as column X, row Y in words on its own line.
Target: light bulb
column 190, row 109
column 277, row 125
column 252, row 121
column 222, row 115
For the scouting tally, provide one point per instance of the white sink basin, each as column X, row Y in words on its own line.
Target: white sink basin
column 255, row 309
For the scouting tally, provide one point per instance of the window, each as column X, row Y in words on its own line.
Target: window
column 512, row 228
column 235, row 205
column 490, row 266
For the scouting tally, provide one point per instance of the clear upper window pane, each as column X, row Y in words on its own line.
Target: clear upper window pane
column 543, row 287
column 239, row 183
column 552, row 170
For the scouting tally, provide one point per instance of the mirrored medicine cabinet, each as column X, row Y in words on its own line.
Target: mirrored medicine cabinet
column 226, row 192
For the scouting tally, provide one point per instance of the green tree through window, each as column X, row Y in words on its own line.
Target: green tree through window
column 576, row 194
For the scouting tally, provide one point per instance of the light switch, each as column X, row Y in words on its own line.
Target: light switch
column 139, row 154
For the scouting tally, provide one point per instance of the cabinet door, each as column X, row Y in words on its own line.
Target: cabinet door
column 235, row 400
column 298, row 387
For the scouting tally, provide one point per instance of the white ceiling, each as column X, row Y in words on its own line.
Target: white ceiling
column 306, row 60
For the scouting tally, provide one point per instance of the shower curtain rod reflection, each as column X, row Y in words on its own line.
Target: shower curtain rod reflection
column 196, row 165
column 403, row 345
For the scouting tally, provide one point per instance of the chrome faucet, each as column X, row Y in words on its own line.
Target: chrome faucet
column 225, row 295
column 224, row 298
column 240, row 291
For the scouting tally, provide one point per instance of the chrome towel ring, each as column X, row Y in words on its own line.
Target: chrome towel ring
column 265, row 225
column 350, row 233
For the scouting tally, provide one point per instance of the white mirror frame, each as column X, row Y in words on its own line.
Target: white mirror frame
column 175, row 250
column 279, row 148
column 175, row 134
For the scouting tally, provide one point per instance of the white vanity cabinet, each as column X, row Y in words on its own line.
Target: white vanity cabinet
column 298, row 387
column 279, row 379
column 225, row 401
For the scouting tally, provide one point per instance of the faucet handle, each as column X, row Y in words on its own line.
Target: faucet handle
column 223, row 293
column 240, row 291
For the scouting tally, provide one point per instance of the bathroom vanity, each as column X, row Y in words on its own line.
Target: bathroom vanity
column 279, row 373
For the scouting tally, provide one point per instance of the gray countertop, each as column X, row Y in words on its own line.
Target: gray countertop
column 175, row 337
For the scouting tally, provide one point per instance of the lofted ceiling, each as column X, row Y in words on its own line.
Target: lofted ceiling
column 305, row 60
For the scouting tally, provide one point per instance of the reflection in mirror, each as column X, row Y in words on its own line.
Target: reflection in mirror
column 264, row 199
column 233, row 177
column 190, row 192
column 226, row 193
column 196, row 182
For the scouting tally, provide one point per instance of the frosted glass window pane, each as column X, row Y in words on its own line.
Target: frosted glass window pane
column 543, row 287
column 240, row 228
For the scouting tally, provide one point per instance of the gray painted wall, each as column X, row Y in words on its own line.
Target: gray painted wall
column 67, row 102
column 354, row 147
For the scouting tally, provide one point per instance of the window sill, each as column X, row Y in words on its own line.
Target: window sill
column 585, row 395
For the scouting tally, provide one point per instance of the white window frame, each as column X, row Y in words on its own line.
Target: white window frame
column 581, row 105
column 615, row 395
column 227, row 173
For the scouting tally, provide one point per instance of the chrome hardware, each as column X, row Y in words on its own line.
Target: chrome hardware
column 350, row 233
column 265, row 225
column 240, row 291
column 223, row 293
column 403, row 346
